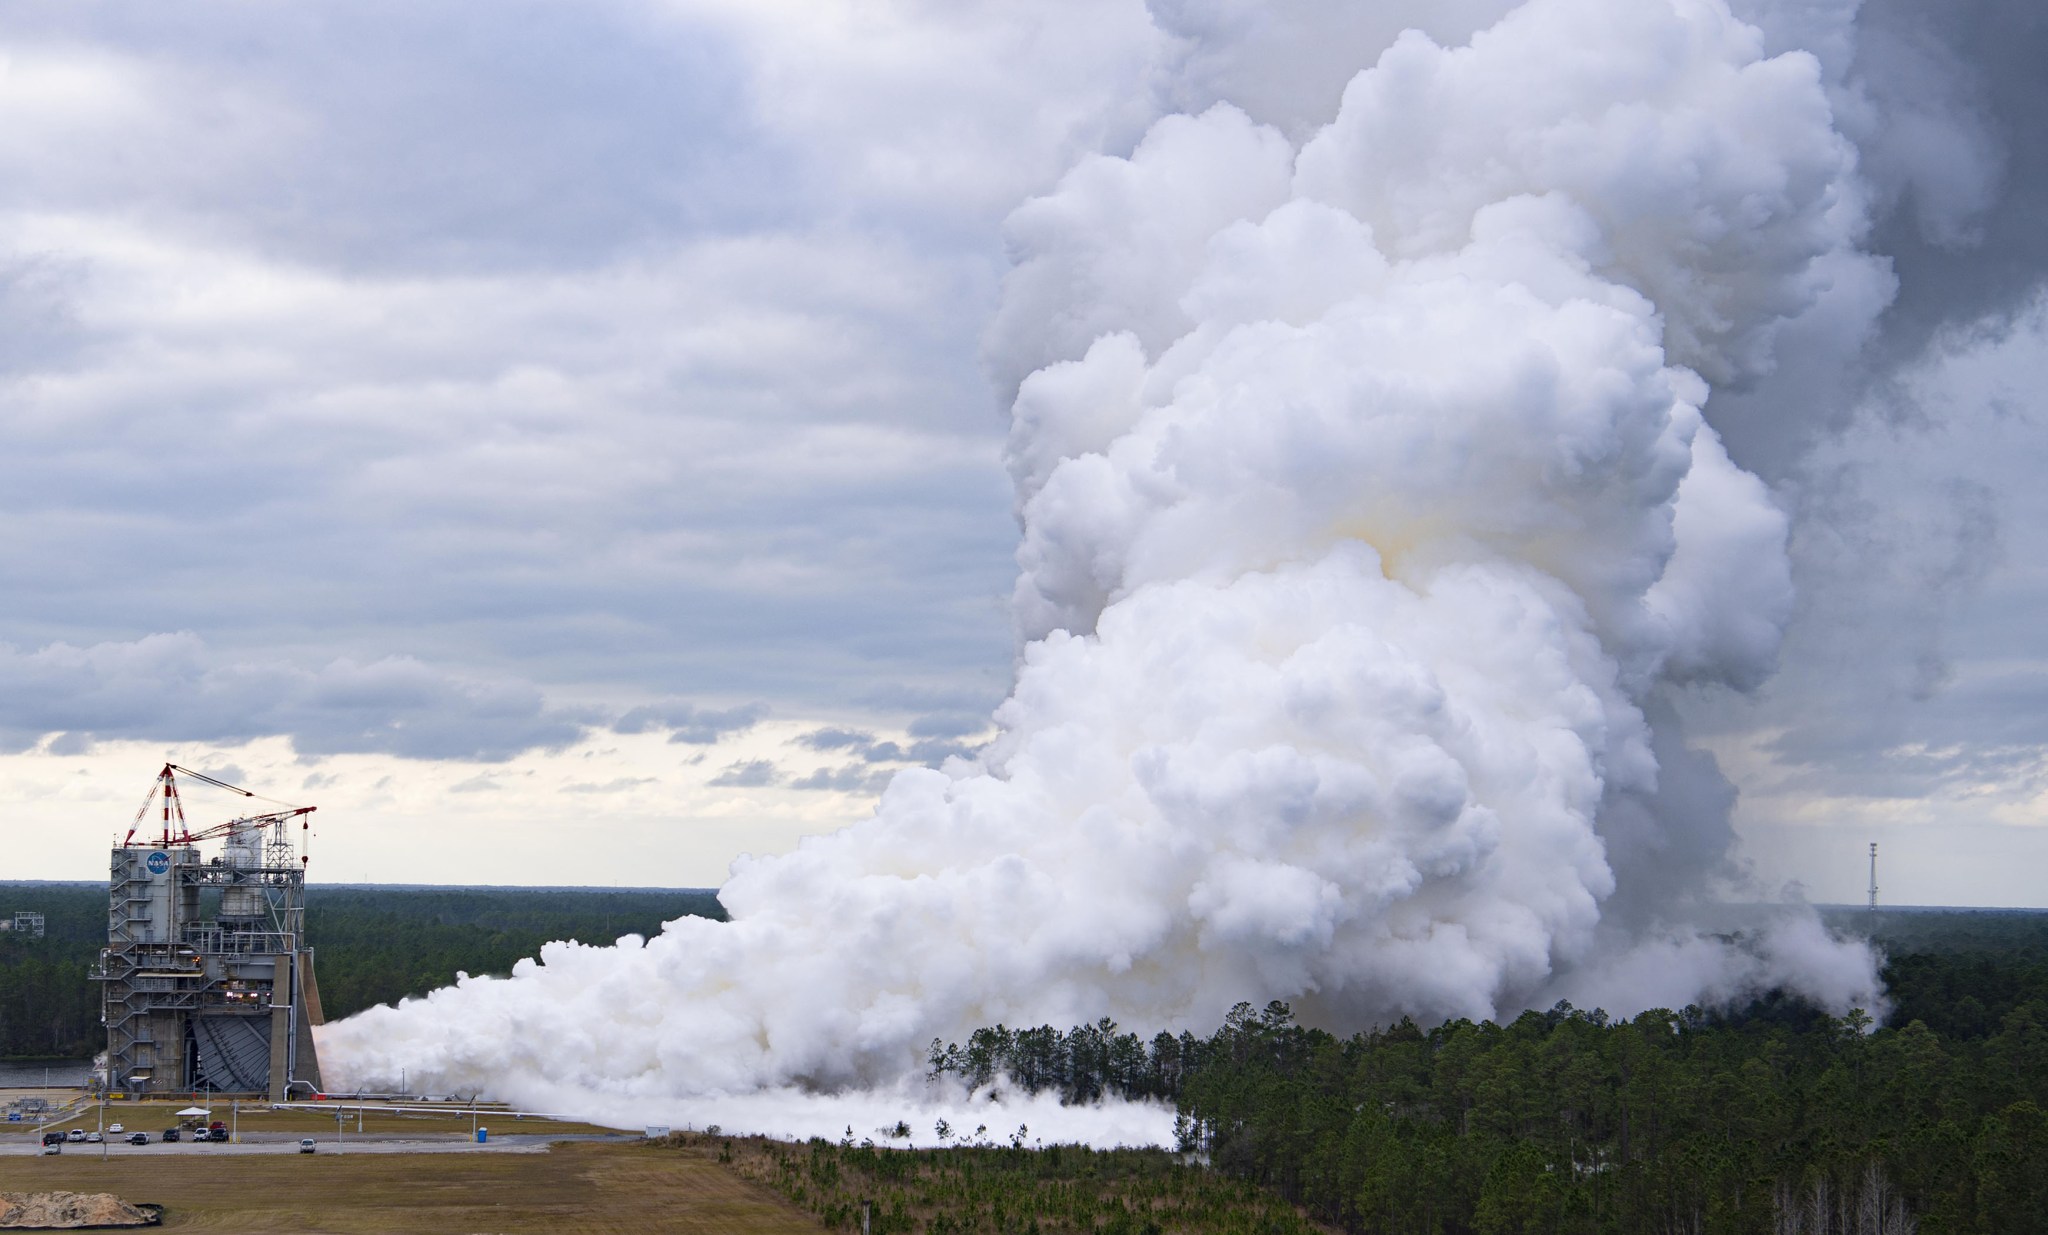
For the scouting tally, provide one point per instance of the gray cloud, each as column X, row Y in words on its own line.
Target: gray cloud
column 1913, row 668
column 1956, row 146
column 748, row 774
column 429, row 368
column 948, row 725
column 960, row 696
column 837, row 739
column 583, row 349
column 174, row 688
column 929, row 751
column 37, row 323
column 541, row 137
column 689, row 724
column 852, row 778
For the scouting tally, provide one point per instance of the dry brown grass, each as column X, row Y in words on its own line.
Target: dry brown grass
column 574, row 1188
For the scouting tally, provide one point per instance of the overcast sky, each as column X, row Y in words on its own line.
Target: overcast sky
column 556, row 441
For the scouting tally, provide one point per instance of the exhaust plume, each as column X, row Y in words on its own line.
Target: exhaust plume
column 1369, row 514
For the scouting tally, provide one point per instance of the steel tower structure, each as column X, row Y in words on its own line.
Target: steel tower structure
column 206, row 979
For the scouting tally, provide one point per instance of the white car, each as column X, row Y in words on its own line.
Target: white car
column 306, row 1146
column 94, row 1138
column 76, row 1136
column 115, row 1129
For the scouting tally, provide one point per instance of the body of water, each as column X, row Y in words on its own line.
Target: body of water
column 62, row 1073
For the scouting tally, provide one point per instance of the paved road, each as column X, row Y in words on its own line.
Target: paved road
column 351, row 1143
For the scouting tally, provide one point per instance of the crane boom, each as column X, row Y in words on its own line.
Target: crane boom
column 166, row 787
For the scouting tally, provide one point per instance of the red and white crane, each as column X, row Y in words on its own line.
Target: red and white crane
column 166, row 788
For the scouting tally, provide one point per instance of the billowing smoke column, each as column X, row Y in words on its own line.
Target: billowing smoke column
column 1368, row 506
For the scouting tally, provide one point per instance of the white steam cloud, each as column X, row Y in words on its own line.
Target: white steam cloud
column 1368, row 507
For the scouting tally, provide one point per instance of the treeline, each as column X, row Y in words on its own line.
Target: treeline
column 1959, row 971
column 1777, row 1118
column 372, row 945
column 1083, row 1064
column 380, row 945
column 48, row 1010
column 1566, row 1121
column 48, row 1007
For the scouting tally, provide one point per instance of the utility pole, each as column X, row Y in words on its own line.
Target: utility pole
column 1873, row 876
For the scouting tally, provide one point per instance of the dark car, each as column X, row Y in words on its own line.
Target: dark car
column 53, row 1138
column 171, row 1134
column 217, row 1134
column 138, row 1138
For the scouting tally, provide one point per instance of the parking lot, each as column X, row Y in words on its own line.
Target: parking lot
column 350, row 1143
column 336, row 1127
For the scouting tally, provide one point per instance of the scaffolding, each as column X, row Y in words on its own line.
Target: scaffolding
column 206, row 980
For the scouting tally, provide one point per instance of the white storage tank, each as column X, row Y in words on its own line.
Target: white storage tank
column 243, row 851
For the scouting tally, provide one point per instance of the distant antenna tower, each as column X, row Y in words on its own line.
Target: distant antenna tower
column 1873, row 876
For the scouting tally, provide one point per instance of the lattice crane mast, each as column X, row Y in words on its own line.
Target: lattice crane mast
column 166, row 788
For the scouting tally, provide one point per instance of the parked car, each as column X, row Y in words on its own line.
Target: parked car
column 138, row 1138
column 53, row 1138
column 94, row 1138
column 306, row 1146
column 76, row 1136
column 172, row 1134
column 115, row 1129
column 217, row 1133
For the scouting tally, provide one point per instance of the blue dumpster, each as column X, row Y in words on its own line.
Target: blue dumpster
column 482, row 1135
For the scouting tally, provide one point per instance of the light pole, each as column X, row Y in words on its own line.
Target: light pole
column 340, row 1117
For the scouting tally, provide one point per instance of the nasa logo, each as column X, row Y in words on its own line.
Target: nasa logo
column 158, row 862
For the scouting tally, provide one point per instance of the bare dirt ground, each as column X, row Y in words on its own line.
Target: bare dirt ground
column 48, row 1211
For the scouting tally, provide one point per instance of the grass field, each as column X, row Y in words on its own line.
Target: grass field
column 576, row 1187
